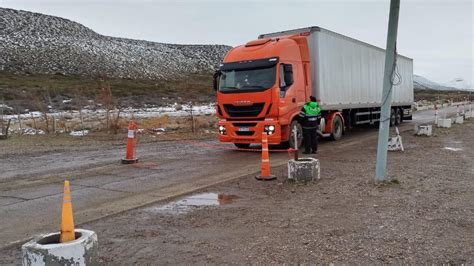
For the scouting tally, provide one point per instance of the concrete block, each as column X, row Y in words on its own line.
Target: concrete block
column 46, row 250
column 459, row 120
column 467, row 115
column 423, row 130
column 303, row 170
column 444, row 122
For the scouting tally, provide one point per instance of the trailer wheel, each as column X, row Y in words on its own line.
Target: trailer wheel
column 398, row 116
column 242, row 145
column 392, row 117
column 337, row 128
column 299, row 135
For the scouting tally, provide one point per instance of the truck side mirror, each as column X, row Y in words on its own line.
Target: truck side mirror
column 215, row 80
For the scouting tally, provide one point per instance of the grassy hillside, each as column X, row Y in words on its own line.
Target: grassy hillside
column 434, row 95
column 29, row 91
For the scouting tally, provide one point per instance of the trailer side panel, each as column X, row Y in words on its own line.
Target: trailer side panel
column 349, row 74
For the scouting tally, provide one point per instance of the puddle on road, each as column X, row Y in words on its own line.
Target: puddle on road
column 194, row 202
column 452, row 149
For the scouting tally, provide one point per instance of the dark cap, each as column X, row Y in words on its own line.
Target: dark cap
column 312, row 98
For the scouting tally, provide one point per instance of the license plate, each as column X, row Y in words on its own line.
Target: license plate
column 244, row 129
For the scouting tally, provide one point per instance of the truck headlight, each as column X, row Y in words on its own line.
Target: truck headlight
column 269, row 129
column 222, row 130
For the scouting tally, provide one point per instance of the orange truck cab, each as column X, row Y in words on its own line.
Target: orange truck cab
column 261, row 87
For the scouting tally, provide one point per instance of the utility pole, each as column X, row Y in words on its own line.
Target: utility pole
column 381, row 165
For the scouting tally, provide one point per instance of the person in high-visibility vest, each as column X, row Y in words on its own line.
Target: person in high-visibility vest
column 309, row 118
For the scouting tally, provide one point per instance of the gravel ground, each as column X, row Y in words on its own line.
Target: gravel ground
column 424, row 214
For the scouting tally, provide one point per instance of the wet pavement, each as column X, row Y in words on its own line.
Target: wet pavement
column 194, row 202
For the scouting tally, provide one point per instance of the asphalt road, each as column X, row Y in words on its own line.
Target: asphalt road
column 31, row 187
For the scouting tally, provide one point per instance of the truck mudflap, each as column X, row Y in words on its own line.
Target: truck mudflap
column 329, row 121
column 249, row 131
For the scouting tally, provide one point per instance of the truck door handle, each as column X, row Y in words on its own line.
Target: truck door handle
column 293, row 100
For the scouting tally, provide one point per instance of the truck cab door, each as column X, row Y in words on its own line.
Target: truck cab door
column 288, row 91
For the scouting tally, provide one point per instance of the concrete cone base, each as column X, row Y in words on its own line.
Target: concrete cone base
column 303, row 170
column 132, row 161
column 46, row 250
column 265, row 178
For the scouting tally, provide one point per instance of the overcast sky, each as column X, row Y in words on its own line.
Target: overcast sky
column 438, row 35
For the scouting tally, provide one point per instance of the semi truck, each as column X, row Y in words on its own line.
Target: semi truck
column 262, row 85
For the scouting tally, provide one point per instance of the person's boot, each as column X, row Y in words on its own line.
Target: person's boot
column 306, row 152
column 315, row 152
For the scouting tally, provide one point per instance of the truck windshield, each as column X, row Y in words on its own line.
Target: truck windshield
column 247, row 80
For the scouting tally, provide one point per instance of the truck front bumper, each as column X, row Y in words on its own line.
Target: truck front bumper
column 248, row 131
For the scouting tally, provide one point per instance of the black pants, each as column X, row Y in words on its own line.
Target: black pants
column 310, row 139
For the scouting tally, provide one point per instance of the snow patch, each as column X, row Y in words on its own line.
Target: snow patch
column 79, row 133
column 453, row 149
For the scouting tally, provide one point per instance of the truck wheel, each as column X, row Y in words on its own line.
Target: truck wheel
column 242, row 145
column 398, row 116
column 337, row 128
column 299, row 135
column 392, row 117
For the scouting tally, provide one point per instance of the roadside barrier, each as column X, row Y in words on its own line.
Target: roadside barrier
column 445, row 122
column 265, row 175
column 70, row 246
column 395, row 143
column 130, row 153
column 423, row 130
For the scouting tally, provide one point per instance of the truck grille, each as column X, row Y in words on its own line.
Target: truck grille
column 244, row 124
column 244, row 133
column 244, row 111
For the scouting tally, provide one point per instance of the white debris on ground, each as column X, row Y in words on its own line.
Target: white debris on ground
column 452, row 149
column 158, row 129
column 173, row 110
column 90, row 113
column 4, row 106
column 79, row 133
column 5, row 109
column 32, row 131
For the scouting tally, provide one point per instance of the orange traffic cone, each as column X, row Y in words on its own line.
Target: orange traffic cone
column 67, row 220
column 265, row 176
column 129, row 157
